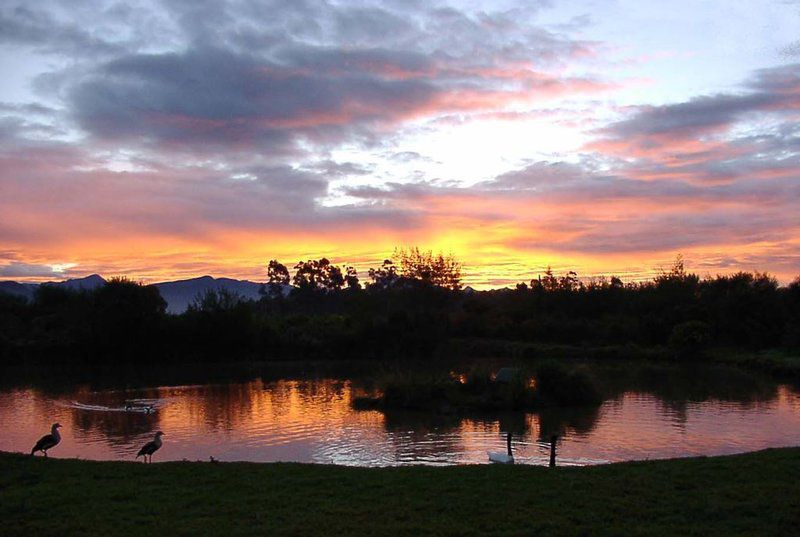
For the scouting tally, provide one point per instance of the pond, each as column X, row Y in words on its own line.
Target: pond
column 650, row 412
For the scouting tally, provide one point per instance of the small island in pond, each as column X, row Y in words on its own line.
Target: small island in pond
column 510, row 389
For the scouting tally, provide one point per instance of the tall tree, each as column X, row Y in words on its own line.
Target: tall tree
column 277, row 278
column 318, row 275
column 436, row 269
column 385, row 276
column 351, row 278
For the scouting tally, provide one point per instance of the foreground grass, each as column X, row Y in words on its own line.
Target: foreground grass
column 752, row 494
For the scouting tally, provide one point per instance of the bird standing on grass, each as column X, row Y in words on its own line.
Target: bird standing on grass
column 48, row 441
column 150, row 447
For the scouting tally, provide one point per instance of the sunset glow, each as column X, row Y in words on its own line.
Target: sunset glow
column 171, row 141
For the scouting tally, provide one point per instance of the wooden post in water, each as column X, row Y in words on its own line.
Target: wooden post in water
column 553, row 451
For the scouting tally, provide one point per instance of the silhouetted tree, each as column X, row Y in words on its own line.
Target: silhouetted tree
column 676, row 276
column 792, row 301
column 548, row 282
column 332, row 277
column 221, row 322
column 689, row 338
column 570, row 282
column 318, row 275
column 439, row 270
column 126, row 318
column 215, row 300
column 409, row 310
column 385, row 276
column 306, row 275
column 351, row 278
column 277, row 278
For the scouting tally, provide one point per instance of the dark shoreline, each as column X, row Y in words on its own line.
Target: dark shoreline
column 781, row 364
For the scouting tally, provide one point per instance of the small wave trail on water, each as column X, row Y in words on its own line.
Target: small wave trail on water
column 140, row 406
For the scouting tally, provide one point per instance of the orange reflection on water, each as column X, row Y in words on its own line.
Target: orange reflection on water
column 313, row 421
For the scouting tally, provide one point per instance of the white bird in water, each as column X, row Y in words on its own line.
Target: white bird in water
column 150, row 447
column 503, row 458
column 48, row 441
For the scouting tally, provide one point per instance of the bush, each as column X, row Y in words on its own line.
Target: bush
column 690, row 338
column 557, row 384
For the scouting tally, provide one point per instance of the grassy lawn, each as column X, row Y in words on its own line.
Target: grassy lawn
column 752, row 494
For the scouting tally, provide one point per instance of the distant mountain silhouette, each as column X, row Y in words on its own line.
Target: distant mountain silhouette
column 28, row 289
column 18, row 289
column 178, row 294
column 82, row 284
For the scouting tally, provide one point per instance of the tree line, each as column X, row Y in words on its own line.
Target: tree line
column 412, row 305
column 408, row 266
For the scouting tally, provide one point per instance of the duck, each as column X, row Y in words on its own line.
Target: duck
column 48, row 441
column 151, row 447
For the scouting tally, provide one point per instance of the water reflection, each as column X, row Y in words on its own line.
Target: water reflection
column 651, row 412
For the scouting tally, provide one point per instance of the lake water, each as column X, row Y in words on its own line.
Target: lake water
column 651, row 413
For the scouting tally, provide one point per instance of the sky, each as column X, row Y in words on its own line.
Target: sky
column 168, row 140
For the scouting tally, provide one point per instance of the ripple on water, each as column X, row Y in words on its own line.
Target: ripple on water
column 311, row 421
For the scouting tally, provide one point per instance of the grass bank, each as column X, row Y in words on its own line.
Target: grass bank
column 527, row 350
column 778, row 363
column 751, row 494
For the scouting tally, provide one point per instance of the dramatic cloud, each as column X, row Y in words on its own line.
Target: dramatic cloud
column 714, row 138
column 566, row 209
column 27, row 270
column 171, row 139
column 212, row 97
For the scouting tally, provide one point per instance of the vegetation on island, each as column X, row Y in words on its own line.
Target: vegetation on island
column 549, row 384
column 412, row 306
column 751, row 494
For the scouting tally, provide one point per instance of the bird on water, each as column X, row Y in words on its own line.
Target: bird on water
column 503, row 458
column 150, row 447
column 48, row 441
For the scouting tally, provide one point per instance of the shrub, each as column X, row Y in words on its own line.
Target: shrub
column 690, row 338
column 557, row 384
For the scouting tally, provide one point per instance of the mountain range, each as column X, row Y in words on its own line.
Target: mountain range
column 177, row 294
